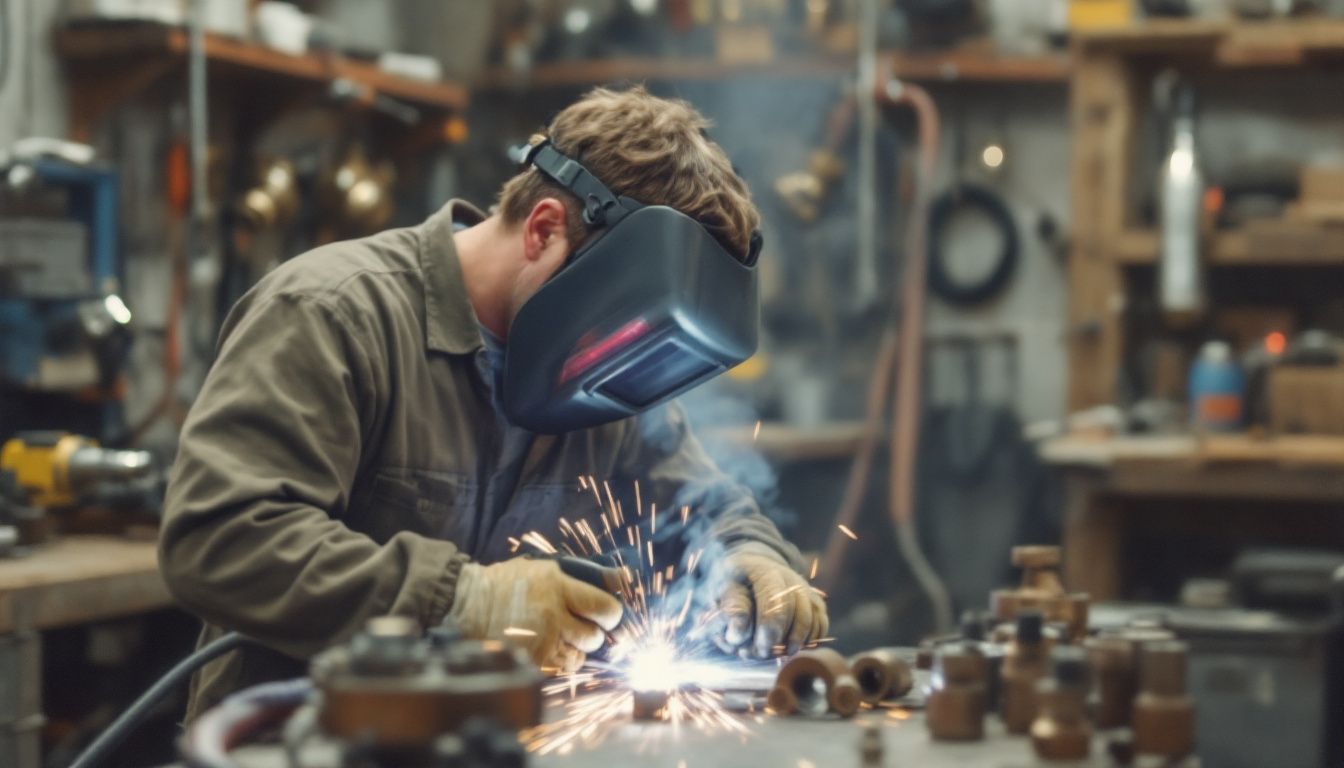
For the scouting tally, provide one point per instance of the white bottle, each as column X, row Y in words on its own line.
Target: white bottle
column 1180, row 268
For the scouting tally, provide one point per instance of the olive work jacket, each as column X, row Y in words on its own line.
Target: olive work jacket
column 343, row 459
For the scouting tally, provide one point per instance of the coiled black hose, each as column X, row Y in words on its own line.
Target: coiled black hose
column 941, row 281
column 120, row 728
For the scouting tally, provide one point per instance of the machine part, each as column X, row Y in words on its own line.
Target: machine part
column 942, row 211
column 1061, row 730
column 954, row 709
column 26, row 524
column 357, row 194
column 208, row 740
column 481, row 743
column 1116, row 680
column 881, row 674
column 634, row 334
column 391, row 689
column 1041, row 590
column 57, row 469
column 1024, row 664
column 804, row 192
column 813, row 683
column 1164, row 716
column 142, row 707
column 1181, row 192
column 649, row 705
column 273, row 202
column 871, row 748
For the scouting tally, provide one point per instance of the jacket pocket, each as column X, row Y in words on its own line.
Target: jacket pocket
column 437, row 505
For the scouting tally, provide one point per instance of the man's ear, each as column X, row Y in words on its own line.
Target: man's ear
column 545, row 234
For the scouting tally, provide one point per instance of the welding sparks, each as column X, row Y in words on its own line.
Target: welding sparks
column 813, row 574
column 756, row 432
column 658, row 646
column 845, row 530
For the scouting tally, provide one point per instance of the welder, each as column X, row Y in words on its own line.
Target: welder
column 386, row 417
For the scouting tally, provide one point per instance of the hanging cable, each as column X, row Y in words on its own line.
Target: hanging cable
column 116, row 733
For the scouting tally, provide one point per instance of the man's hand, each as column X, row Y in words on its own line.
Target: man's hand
column 769, row 609
column 557, row 619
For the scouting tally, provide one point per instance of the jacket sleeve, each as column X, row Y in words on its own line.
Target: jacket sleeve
column 662, row 453
column 252, row 538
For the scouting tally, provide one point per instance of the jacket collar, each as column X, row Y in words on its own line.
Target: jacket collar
column 450, row 322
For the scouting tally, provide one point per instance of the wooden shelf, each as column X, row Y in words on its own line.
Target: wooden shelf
column 109, row 64
column 1264, row 244
column 1232, row 45
column 969, row 64
column 979, row 64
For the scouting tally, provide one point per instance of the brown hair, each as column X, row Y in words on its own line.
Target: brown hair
column 649, row 149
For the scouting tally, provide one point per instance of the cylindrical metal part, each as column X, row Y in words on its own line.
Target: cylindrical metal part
column 1061, row 730
column 1164, row 717
column 816, row 681
column 1116, row 677
column 1023, row 664
column 843, row 695
column 881, row 674
column 650, row 705
column 870, row 746
column 955, row 707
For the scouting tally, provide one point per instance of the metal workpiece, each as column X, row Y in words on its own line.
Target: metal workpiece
column 815, row 682
column 1115, row 680
column 649, row 705
column 955, row 706
column 881, row 673
column 391, row 688
column 1061, row 730
column 1164, row 716
column 1042, row 590
column 1024, row 663
column 871, row 747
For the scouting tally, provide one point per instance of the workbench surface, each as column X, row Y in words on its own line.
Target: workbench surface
column 782, row 742
column 78, row 579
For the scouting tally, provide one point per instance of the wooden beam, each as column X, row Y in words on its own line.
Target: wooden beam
column 1103, row 121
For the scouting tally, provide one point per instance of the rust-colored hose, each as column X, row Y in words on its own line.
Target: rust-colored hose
column 907, row 344
column 906, row 411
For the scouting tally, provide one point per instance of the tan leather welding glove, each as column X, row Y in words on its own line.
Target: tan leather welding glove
column 769, row 609
column 529, row 603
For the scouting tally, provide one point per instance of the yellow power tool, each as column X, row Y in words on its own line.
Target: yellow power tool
column 56, row 469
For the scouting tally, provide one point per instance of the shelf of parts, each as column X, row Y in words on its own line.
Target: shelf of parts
column 110, row 64
column 957, row 65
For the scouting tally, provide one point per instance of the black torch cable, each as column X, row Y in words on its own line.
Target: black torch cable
column 116, row 733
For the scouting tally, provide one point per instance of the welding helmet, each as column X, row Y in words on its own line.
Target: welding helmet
column 649, row 306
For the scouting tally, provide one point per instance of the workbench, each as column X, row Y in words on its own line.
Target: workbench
column 73, row 580
column 1108, row 481
column 771, row 742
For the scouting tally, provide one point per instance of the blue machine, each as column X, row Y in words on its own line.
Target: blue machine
column 63, row 329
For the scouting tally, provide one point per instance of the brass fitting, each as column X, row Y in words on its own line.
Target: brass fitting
column 1042, row 590
column 1024, row 663
column 1164, row 716
column 1116, row 677
column 881, row 674
column 955, row 707
column 813, row 683
column 1061, row 730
